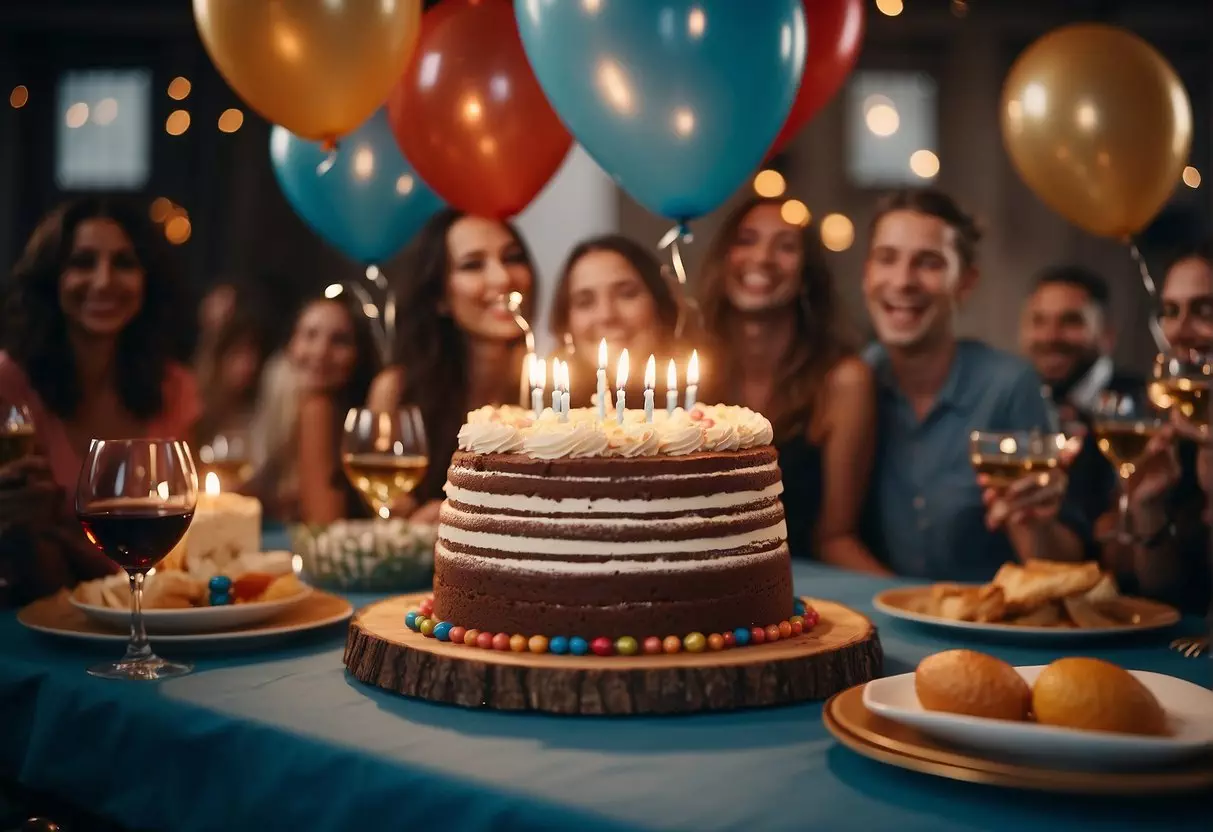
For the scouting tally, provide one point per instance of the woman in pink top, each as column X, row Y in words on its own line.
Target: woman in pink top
column 88, row 329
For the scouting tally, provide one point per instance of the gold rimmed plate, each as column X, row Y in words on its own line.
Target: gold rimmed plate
column 1136, row 615
column 880, row 739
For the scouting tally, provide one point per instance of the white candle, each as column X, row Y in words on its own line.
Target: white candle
column 650, row 382
column 692, row 379
column 527, row 382
column 602, row 385
column 539, row 371
column 556, row 385
column 621, row 379
column 671, row 388
column 564, row 391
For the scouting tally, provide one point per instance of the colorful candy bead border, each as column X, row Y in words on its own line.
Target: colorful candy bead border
column 419, row 621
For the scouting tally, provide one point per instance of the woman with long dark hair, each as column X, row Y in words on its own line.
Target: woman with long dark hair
column 91, row 323
column 327, row 368
column 767, row 294
column 612, row 288
column 458, row 346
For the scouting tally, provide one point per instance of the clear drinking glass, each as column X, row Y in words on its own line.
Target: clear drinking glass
column 1181, row 384
column 16, row 432
column 135, row 499
column 384, row 455
column 230, row 456
column 1008, row 456
column 1124, row 423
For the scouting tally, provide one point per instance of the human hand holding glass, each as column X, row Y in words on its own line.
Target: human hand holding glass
column 1126, row 423
column 135, row 499
column 385, row 457
column 1022, row 474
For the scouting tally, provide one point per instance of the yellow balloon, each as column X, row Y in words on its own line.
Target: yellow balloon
column 317, row 67
column 1098, row 125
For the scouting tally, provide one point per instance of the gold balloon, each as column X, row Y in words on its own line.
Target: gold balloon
column 1098, row 125
column 317, row 67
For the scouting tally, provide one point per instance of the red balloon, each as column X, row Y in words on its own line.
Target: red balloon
column 469, row 115
column 835, row 34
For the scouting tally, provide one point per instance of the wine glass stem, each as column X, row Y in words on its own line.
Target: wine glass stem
column 1122, row 515
column 138, row 648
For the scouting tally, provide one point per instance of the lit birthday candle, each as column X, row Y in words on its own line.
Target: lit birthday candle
column 539, row 371
column 602, row 385
column 556, row 385
column 692, row 380
column 564, row 391
column 621, row 379
column 671, row 388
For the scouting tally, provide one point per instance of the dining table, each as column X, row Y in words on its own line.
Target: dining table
column 284, row 738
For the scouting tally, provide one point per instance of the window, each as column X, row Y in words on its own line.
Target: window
column 891, row 129
column 103, row 137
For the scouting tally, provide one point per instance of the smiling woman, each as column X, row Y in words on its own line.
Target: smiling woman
column 90, row 323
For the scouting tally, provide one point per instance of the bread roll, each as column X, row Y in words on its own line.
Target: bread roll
column 971, row 683
column 1095, row 695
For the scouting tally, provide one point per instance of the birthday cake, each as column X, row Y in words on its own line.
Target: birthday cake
column 594, row 528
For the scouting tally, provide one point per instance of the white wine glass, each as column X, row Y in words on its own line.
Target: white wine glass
column 16, row 432
column 1008, row 456
column 385, row 455
column 1181, row 384
column 1123, row 424
column 229, row 455
column 135, row 499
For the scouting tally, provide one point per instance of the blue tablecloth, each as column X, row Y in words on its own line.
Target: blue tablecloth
column 285, row 740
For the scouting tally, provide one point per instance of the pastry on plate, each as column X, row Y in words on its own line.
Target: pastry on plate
column 971, row 683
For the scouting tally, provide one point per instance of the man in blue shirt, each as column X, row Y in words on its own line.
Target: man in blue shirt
column 926, row 515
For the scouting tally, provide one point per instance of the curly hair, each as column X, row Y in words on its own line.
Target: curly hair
column 430, row 346
column 823, row 336
column 36, row 331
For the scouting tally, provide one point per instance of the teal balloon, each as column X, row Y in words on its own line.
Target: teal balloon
column 368, row 204
column 678, row 100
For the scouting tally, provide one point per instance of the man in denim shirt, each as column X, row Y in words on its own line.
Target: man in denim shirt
column 926, row 514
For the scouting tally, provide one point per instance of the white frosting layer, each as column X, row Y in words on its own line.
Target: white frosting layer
column 659, row 527
column 501, row 476
column 522, row 545
column 542, row 505
column 610, row 567
column 512, row 429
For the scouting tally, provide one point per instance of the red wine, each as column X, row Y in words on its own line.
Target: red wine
column 134, row 534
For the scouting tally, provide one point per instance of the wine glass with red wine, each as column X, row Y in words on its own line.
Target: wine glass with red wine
column 135, row 499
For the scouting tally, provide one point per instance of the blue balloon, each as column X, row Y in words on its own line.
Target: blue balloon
column 369, row 204
column 679, row 100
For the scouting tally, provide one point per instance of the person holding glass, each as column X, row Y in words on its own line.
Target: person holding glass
column 1167, row 556
column 612, row 288
column 930, row 516
column 770, row 304
column 458, row 344
column 330, row 361
column 90, row 325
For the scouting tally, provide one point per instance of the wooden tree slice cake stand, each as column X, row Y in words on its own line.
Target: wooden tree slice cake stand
column 842, row 650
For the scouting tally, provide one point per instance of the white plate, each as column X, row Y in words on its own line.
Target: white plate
column 1189, row 710
column 237, row 639
column 1142, row 614
column 193, row 620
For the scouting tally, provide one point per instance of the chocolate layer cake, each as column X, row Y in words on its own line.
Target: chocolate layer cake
column 591, row 529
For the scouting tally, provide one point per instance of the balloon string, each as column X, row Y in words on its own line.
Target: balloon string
column 677, row 235
column 513, row 304
column 329, row 160
column 1160, row 340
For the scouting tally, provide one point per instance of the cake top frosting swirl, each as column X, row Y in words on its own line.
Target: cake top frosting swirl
column 513, row 429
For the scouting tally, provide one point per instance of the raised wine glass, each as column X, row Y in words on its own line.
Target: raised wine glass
column 1124, row 423
column 16, row 432
column 1008, row 456
column 1181, row 384
column 385, row 455
column 135, row 499
column 229, row 455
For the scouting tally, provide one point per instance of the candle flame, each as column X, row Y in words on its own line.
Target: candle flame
column 602, row 354
column 162, row 490
column 556, row 376
column 650, row 373
column 621, row 370
column 539, row 373
column 671, row 376
column 212, row 483
column 564, row 376
column 693, row 368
